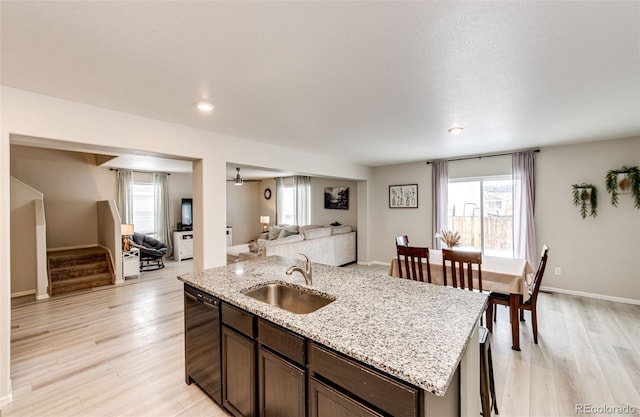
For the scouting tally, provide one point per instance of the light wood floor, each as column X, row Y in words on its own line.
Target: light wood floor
column 118, row 351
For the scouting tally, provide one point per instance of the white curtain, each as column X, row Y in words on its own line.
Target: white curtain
column 303, row 200
column 297, row 208
column 524, row 231
column 162, row 221
column 440, row 190
column 279, row 200
column 125, row 200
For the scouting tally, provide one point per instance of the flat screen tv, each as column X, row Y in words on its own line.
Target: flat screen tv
column 187, row 214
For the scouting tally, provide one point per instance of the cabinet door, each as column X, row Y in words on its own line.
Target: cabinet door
column 325, row 401
column 281, row 386
column 239, row 373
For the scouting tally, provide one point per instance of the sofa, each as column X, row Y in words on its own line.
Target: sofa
column 330, row 245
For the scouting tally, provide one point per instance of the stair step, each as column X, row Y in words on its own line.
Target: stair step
column 69, row 261
column 78, row 269
column 80, row 283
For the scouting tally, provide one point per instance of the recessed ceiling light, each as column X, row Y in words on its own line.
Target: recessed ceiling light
column 455, row 130
column 205, row 106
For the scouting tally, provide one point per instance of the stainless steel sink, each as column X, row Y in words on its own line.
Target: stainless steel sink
column 288, row 297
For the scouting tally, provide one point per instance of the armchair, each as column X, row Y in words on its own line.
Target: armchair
column 152, row 251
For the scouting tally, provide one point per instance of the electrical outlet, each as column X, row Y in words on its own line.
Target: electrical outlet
column 557, row 271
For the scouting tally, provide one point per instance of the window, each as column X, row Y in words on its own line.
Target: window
column 293, row 200
column 143, row 207
column 481, row 210
column 288, row 209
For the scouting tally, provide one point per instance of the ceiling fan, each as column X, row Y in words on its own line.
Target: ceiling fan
column 238, row 179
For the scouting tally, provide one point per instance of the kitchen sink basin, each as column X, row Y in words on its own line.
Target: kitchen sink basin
column 288, row 297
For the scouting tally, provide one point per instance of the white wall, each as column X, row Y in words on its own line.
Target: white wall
column 268, row 207
column 180, row 186
column 23, row 238
column 34, row 115
column 388, row 223
column 243, row 211
column 322, row 216
column 598, row 256
column 71, row 184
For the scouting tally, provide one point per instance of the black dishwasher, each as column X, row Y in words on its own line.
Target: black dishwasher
column 202, row 341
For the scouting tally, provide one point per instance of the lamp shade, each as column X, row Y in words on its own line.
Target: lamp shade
column 126, row 229
column 264, row 219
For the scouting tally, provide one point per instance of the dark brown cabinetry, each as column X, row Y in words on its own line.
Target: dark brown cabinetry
column 269, row 371
column 238, row 362
column 281, row 386
column 281, row 372
column 368, row 387
column 325, row 401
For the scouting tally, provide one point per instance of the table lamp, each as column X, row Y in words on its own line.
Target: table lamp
column 126, row 230
column 264, row 220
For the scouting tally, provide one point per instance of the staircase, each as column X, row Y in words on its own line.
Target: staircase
column 79, row 269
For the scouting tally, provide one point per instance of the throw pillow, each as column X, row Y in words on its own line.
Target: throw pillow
column 274, row 232
column 317, row 233
column 288, row 231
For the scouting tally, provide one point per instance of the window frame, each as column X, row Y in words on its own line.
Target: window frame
column 481, row 180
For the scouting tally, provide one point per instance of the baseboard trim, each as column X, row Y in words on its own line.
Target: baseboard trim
column 22, row 293
column 379, row 263
column 591, row 295
column 42, row 297
column 7, row 398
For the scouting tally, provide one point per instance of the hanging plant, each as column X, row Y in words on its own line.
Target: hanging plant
column 583, row 195
column 623, row 180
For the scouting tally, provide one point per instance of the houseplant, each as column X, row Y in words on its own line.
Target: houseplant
column 449, row 238
column 622, row 180
column 584, row 194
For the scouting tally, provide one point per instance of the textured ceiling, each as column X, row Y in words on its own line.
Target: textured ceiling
column 370, row 82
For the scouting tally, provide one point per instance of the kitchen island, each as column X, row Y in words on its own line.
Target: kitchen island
column 414, row 338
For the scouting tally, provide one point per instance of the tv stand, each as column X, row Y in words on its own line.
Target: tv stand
column 182, row 245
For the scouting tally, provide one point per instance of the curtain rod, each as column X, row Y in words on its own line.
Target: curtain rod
column 142, row 172
column 489, row 155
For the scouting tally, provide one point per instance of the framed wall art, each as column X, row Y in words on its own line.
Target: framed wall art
column 336, row 198
column 403, row 196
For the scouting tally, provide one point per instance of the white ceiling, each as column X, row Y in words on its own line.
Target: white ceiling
column 373, row 82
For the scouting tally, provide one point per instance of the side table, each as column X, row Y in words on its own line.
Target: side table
column 131, row 263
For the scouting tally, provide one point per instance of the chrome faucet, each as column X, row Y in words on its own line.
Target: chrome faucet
column 306, row 273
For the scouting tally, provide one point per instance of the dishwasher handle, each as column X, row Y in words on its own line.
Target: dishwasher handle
column 213, row 303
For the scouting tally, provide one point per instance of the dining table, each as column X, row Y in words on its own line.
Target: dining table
column 508, row 275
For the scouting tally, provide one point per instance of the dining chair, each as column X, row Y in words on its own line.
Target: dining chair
column 502, row 298
column 402, row 240
column 461, row 267
column 415, row 260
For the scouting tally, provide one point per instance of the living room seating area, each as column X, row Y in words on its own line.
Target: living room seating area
column 331, row 245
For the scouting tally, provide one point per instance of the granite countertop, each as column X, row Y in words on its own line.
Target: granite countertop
column 415, row 331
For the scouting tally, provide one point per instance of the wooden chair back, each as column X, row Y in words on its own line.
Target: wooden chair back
column 461, row 265
column 537, row 279
column 402, row 240
column 413, row 258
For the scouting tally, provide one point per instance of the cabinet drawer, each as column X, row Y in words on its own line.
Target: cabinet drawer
column 282, row 341
column 238, row 319
column 381, row 391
